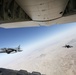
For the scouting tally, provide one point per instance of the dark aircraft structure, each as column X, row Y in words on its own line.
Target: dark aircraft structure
column 10, row 50
column 68, row 46
column 31, row 13
column 4, row 71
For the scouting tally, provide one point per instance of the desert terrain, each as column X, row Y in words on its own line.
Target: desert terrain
column 50, row 60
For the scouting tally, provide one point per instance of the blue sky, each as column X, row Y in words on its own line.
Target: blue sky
column 18, row 36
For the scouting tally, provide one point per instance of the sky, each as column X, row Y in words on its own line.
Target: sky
column 32, row 38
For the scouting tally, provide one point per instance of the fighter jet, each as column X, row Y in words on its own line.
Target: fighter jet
column 68, row 46
column 10, row 50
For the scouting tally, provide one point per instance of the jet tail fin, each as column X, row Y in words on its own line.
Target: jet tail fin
column 19, row 47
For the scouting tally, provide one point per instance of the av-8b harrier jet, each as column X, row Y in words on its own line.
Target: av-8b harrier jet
column 68, row 46
column 10, row 50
